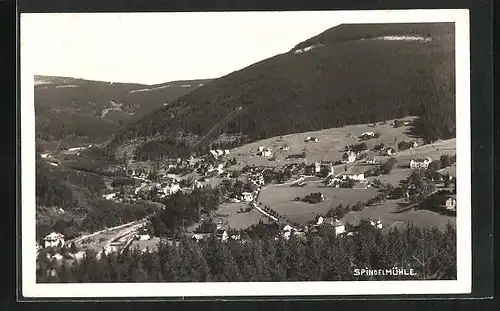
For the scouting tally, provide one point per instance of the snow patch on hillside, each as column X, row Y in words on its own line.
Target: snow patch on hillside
column 307, row 48
column 70, row 85
column 402, row 38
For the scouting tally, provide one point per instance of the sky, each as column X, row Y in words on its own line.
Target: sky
column 153, row 48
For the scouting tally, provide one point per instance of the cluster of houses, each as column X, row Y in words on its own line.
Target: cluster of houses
column 217, row 154
column 54, row 239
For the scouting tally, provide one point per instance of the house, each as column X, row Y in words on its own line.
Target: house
column 367, row 135
column 339, row 228
column 327, row 169
column 348, row 157
column 247, row 196
column 420, row 162
column 214, row 154
column 261, row 148
column 413, row 144
column 312, row 169
column 450, row 203
column 332, row 181
column 354, row 176
column 55, row 256
column 54, row 239
column 78, row 255
column 219, row 152
column 287, row 231
column 389, row 151
column 221, row 234
column 310, row 139
column 319, row 220
column 266, row 152
column 236, row 237
column 143, row 237
column 377, row 223
column 226, row 152
column 114, row 247
column 200, row 236
column 170, row 189
column 371, row 161
column 285, row 148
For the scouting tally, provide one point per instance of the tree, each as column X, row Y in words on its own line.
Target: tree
column 388, row 166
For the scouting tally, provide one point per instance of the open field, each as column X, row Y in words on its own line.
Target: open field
column 329, row 147
column 280, row 199
column 386, row 213
column 238, row 220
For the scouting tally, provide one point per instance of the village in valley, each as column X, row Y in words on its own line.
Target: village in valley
column 296, row 184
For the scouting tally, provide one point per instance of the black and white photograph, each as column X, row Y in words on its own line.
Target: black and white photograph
column 245, row 153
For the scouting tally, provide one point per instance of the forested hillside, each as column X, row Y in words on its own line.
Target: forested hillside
column 77, row 110
column 348, row 74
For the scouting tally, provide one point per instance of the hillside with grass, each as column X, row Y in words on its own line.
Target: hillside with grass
column 349, row 74
column 79, row 111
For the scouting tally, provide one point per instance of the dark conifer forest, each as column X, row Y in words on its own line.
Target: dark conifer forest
column 429, row 252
